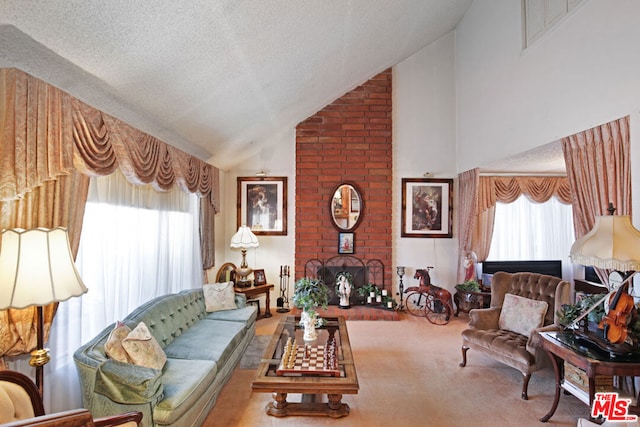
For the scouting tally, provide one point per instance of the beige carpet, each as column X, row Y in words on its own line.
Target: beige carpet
column 409, row 376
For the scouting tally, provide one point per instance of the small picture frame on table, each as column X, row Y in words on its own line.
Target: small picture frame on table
column 346, row 243
column 259, row 277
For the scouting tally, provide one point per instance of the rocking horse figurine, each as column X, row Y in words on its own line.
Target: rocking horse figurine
column 431, row 301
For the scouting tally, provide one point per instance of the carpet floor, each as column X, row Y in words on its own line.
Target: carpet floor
column 409, row 375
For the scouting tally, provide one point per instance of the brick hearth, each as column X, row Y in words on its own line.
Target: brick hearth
column 358, row 312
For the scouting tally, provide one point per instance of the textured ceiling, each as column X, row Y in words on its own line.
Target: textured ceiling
column 216, row 78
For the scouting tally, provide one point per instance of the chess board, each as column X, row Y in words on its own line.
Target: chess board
column 308, row 359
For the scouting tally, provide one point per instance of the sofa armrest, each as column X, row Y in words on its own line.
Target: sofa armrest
column 484, row 318
column 128, row 383
column 241, row 300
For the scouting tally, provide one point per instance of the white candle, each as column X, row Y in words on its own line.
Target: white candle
column 379, row 298
column 372, row 294
column 384, row 292
column 369, row 300
column 390, row 304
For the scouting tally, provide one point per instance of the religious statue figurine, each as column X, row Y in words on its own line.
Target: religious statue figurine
column 343, row 288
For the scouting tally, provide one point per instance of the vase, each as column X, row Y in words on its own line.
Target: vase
column 308, row 321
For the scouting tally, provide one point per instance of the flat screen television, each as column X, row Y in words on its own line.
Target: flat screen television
column 550, row 268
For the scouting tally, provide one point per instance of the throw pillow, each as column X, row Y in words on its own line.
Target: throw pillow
column 522, row 315
column 219, row 296
column 113, row 347
column 143, row 349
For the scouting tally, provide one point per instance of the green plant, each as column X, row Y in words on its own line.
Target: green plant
column 469, row 285
column 365, row 290
column 568, row 313
column 309, row 294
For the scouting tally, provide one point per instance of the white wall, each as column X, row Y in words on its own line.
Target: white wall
column 582, row 74
column 278, row 159
column 424, row 141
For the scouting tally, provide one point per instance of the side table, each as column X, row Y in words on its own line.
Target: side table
column 255, row 291
column 468, row 300
column 561, row 347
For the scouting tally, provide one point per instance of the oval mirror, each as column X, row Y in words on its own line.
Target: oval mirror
column 346, row 207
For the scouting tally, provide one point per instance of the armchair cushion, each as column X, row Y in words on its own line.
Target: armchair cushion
column 15, row 403
column 522, row 315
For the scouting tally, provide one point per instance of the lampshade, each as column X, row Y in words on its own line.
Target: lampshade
column 613, row 243
column 37, row 268
column 244, row 239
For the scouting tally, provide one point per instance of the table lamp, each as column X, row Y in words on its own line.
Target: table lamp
column 614, row 244
column 37, row 268
column 243, row 240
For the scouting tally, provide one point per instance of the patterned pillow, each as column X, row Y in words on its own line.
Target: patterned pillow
column 143, row 349
column 113, row 346
column 522, row 315
column 219, row 296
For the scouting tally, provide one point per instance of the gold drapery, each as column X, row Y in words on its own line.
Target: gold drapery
column 478, row 205
column 599, row 170
column 50, row 143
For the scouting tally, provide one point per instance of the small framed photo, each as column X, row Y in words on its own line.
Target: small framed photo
column 427, row 207
column 262, row 205
column 259, row 278
column 346, row 243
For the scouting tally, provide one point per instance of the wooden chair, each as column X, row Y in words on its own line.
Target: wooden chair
column 21, row 405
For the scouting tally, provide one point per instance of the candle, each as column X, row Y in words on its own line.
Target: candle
column 379, row 298
column 372, row 294
column 384, row 292
column 369, row 300
column 390, row 304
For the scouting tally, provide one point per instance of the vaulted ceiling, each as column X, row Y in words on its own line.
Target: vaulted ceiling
column 217, row 78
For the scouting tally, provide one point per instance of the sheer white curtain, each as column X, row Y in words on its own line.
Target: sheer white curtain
column 525, row 230
column 136, row 244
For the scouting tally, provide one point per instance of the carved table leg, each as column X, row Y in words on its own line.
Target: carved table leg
column 278, row 408
column 556, row 399
column 337, row 409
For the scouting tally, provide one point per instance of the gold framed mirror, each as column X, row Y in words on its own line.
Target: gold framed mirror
column 347, row 206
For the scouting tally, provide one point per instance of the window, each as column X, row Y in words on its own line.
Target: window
column 540, row 16
column 136, row 244
column 524, row 230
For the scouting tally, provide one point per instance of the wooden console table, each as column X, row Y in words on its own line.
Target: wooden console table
column 255, row 291
column 562, row 347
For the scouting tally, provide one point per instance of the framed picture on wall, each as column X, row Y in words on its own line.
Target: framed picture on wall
column 262, row 205
column 346, row 243
column 427, row 207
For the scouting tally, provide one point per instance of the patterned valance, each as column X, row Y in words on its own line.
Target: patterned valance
column 42, row 119
column 506, row 189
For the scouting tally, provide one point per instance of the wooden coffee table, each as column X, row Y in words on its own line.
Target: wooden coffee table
column 311, row 384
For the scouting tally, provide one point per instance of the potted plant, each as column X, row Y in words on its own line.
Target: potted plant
column 309, row 294
column 370, row 292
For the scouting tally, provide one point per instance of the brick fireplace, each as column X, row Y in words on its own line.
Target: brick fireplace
column 350, row 140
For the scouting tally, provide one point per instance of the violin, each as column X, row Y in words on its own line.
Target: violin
column 615, row 322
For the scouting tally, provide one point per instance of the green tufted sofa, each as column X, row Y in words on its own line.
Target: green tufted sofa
column 202, row 350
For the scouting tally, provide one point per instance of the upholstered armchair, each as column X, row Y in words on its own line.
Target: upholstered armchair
column 522, row 304
column 21, row 405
